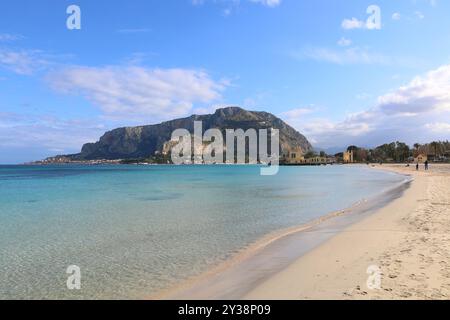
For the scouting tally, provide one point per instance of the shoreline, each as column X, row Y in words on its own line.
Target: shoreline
column 408, row 241
column 230, row 279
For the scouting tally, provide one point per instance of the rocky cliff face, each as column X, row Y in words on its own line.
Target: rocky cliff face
column 145, row 141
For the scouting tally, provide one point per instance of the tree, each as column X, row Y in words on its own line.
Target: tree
column 362, row 155
column 310, row 154
column 397, row 151
column 402, row 151
column 435, row 145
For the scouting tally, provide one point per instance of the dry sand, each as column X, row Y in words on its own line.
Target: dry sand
column 408, row 240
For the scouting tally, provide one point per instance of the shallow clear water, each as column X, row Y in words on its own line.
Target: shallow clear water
column 134, row 230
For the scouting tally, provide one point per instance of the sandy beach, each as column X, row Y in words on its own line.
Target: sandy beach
column 407, row 241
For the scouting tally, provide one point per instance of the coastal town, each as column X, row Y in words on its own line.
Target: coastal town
column 396, row 152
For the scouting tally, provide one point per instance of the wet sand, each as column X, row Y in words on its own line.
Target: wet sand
column 408, row 240
column 251, row 274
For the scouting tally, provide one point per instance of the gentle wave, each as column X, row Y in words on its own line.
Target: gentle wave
column 138, row 230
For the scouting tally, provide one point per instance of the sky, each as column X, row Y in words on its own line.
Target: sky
column 337, row 72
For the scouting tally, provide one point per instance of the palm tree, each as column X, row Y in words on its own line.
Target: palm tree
column 435, row 145
column 417, row 147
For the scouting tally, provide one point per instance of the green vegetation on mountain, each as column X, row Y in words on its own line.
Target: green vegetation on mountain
column 146, row 142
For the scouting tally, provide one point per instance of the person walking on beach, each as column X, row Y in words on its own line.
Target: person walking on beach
column 417, row 166
column 426, row 165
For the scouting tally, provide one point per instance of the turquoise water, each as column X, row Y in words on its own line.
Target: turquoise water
column 134, row 230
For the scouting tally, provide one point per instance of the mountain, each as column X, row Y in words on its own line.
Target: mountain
column 145, row 141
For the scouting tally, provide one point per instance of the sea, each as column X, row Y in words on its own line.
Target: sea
column 129, row 232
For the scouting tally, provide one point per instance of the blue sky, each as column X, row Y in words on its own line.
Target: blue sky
column 315, row 64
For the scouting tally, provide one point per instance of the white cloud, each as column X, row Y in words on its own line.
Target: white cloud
column 363, row 96
column 423, row 94
column 10, row 37
column 232, row 4
column 353, row 23
column 352, row 55
column 419, row 15
column 373, row 22
column 210, row 109
column 396, row 16
column 344, row 42
column 227, row 11
column 46, row 132
column 268, row 3
column 416, row 112
column 24, row 62
column 297, row 113
column 439, row 127
column 132, row 92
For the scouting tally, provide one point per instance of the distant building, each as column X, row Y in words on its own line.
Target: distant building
column 294, row 156
column 316, row 160
column 446, row 156
column 331, row 160
column 421, row 158
column 348, row 157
